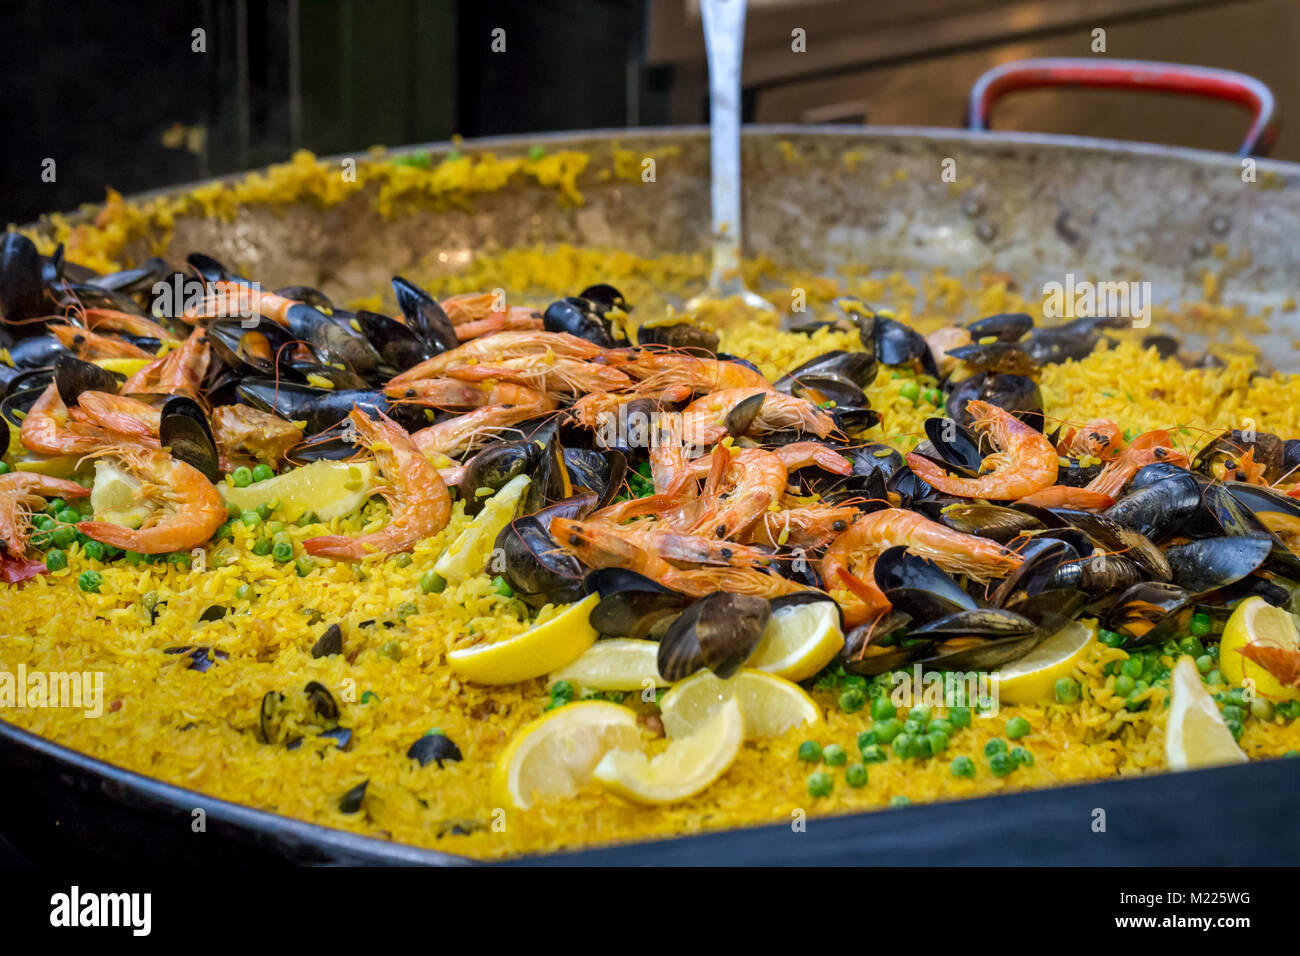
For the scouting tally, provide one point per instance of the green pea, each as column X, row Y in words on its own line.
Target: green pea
column 938, row 741
column 402, row 560
column 56, row 560
column 306, row 518
column 265, row 510
column 810, row 751
column 243, row 592
column 1110, row 638
column 304, row 565
column 63, row 535
column 913, row 727
column 820, row 784
column 1124, row 685
column 243, row 476
column 406, row 609
column 1200, row 624
column 866, row 739
column 834, row 755
column 133, row 557
column 431, row 582
column 962, row 767
column 263, row 472
column 1192, row 646
column 54, row 505
column 369, row 697
column 910, row 391
column 873, row 753
column 281, row 551
column 1236, row 728
column 1002, row 764
column 90, row 581
column 882, row 708
column 262, row 546
column 69, row 516
column 853, row 700
column 1132, row 667
column 854, row 681
column 1017, row 727
column 180, row 560
column 1205, row 663
column 900, row 801
column 995, row 746
column 1022, row 757
column 251, row 519
column 919, row 713
column 562, row 690
column 960, row 716
column 921, row 748
column 1215, row 677
column 1066, row 690
column 941, row 725
column 4, row 468
column 856, row 776
column 1289, row 709
column 93, row 550
column 1232, row 712
column 42, row 522
column 904, row 746
column 502, row 587
column 1262, row 709
column 887, row 730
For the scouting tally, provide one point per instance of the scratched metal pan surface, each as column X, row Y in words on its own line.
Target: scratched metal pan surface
column 1036, row 207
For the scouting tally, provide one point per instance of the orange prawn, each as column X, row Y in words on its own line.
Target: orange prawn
column 1025, row 461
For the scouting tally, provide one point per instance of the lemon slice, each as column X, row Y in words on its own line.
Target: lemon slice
column 771, row 705
column 1195, row 734
column 1034, row 676
column 554, row 755
column 470, row 552
column 684, row 769
column 115, row 496
column 537, row 651
column 124, row 366
column 615, row 664
column 54, row 466
column 331, row 489
column 1255, row 621
column 799, row 640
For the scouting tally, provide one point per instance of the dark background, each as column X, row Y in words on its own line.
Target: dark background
column 114, row 94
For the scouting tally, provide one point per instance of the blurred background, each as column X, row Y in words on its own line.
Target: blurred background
column 119, row 94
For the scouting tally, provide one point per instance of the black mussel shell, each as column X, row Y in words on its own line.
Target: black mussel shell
column 73, row 376
column 823, row 387
column 851, row 419
column 988, row 622
column 351, row 801
column 719, row 632
column 1225, row 598
column 22, row 289
column 857, row 367
column 954, row 444
column 1112, row 536
column 1098, row 574
column 433, row 747
column 322, row 408
column 209, row 269
column 1005, row 327
column 899, row 344
column 1151, row 611
column 329, row 643
column 1252, row 510
column 36, row 351
column 1220, row 460
column 307, row 295
column 919, row 588
column 988, row 521
column 425, row 316
column 1291, row 456
column 744, row 412
column 323, row 447
column 184, row 431
column 19, row 397
column 268, row 715
column 1212, row 563
column 983, row 639
column 877, row 647
column 678, row 335
column 493, row 467
column 333, row 342
column 575, row 507
column 322, row 701
column 550, row 479
column 258, row 347
column 535, row 566
column 604, row 297
column 399, row 346
column 577, row 317
column 1051, row 609
column 1042, row 557
column 1074, row 474
column 602, row 472
column 1002, row 357
column 1074, row 340
column 1166, row 346
column 632, row 605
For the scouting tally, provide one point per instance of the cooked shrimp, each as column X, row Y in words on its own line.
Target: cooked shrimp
column 245, row 433
column 188, row 509
column 559, row 376
column 850, row 560
column 1024, row 463
column 1282, row 662
column 806, row 526
column 502, row 345
column 127, row 417
column 941, row 340
column 1064, row 496
column 668, row 464
column 514, row 320
column 704, row 420
column 1146, row 449
column 659, row 368
column 596, row 409
column 92, row 345
column 1099, row 437
column 113, row 320
column 49, row 429
column 226, row 299
column 21, row 492
column 504, row 405
column 418, row 502
column 179, row 372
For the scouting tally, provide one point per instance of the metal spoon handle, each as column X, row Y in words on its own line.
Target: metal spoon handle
column 724, row 39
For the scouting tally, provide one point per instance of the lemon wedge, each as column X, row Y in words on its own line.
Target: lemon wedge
column 54, row 466
column 799, row 640
column 472, row 549
column 1034, row 676
column 543, row 648
column 115, row 496
column 685, row 768
column 331, row 489
column 771, row 705
column 1195, row 734
column 554, row 755
column 123, row 366
column 1255, row 621
column 615, row 664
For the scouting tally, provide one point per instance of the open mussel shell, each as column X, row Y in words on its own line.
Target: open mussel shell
column 678, row 335
column 578, row 317
column 1160, row 508
column 322, row 408
column 73, row 376
column 600, row 472
column 1212, row 563
column 1251, row 510
column 1004, row 327
column 821, row 388
column 878, row 647
column 1220, row 460
column 1052, row 608
column 718, row 631
column 333, row 342
column 1042, row 556
column 857, row 368
column 1002, row 357
column 632, row 605
column 399, row 346
column 184, row 431
column 550, row 480
column 1112, row 536
column 988, row 521
column 954, row 445
column 982, row 639
column 493, row 467
column 425, row 316
column 257, row 346
column 1151, row 611
column 604, row 298
column 1017, row 394
column 743, row 413
column 919, row 588
column 535, row 567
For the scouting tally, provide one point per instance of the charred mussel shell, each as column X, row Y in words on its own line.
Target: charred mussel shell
column 184, row 431
column 988, row 521
column 1151, row 611
column 577, row 317
column 1220, row 460
column 425, row 316
column 1001, row 357
column 718, row 631
column 73, row 376
column 918, row 587
column 678, row 335
column 433, row 748
column 1212, row 563
column 632, row 605
column 982, row 639
column 535, row 567
column 493, row 467
column 1005, row 327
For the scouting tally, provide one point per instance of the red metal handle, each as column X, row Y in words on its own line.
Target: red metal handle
column 1130, row 75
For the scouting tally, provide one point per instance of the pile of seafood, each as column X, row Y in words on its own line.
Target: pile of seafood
column 676, row 481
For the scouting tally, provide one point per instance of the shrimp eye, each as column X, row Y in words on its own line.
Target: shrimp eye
column 721, row 531
column 575, row 540
column 838, row 526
